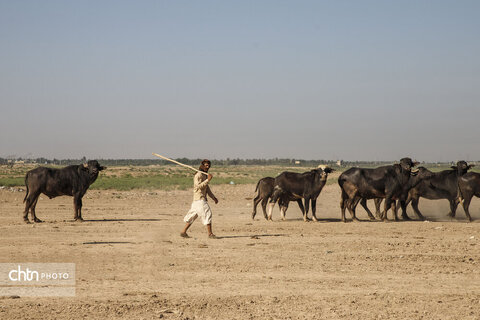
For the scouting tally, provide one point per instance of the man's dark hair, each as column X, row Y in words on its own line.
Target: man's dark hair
column 202, row 165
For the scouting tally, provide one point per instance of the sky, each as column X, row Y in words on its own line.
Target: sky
column 351, row 80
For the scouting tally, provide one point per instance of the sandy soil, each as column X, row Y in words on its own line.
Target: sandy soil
column 131, row 262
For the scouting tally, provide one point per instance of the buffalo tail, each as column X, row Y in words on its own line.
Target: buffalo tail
column 26, row 185
column 256, row 188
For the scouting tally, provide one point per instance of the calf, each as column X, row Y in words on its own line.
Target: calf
column 298, row 186
column 69, row 181
column 264, row 189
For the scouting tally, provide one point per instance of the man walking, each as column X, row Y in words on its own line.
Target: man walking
column 200, row 205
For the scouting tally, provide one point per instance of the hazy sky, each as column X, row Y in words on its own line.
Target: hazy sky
column 352, row 80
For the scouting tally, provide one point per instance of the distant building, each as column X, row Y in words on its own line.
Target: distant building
column 297, row 161
column 340, row 163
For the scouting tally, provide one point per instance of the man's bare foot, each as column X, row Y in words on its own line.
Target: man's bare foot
column 184, row 235
column 212, row 236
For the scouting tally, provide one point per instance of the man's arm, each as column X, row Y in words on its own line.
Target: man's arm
column 211, row 195
column 199, row 184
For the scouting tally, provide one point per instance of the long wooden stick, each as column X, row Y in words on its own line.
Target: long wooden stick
column 180, row 164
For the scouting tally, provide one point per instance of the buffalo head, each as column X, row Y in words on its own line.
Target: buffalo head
column 323, row 171
column 93, row 167
column 407, row 165
column 462, row 167
column 419, row 174
column 325, row 168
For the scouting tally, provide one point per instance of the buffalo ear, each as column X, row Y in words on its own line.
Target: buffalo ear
column 454, row 167
column 470, row 166
column 102, row 168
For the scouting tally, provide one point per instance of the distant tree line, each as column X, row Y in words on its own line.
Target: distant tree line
column 196, row 162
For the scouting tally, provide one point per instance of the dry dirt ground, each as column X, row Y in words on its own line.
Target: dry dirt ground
column 132, row 263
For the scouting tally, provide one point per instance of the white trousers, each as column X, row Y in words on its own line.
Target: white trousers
column 200, row 208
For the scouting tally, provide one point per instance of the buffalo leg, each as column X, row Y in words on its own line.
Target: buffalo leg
column 394, row 209
column 404, row 204
column 282, row 212
column 352, row 205
column 307, row 206
column 27, row 209
column 30, row 200
column 75, row 208
column 363, row 203
column 32, row 210
column 80, row 209
column 264, row 208
column 271, row 204
column 466, row 205
column 77, row 205
column 378, row 202
column 388, row 204
column 416, row 210
column 300, row 205
column 283, row 207
column 270, row 210
column 314, row 208
column 404, row 208
column 348, row 204
column 276, row 196
column 453, row 207
column 343, row 199
column 255, row 204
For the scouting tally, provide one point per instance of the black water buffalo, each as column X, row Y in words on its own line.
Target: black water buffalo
column 390, row 182
column 69, row 181
column 469, row 185
column 307, row 186
column 441, row 185
column 264, row 189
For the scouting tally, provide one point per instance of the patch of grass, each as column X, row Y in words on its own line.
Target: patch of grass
column 12, row 181
column 128, row 182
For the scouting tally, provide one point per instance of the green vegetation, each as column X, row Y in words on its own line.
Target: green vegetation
column 12, row 181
